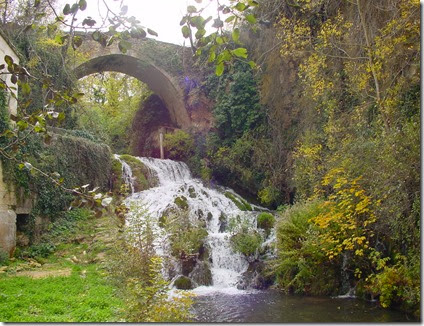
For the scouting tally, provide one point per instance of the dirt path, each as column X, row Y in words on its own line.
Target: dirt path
column 46, row 273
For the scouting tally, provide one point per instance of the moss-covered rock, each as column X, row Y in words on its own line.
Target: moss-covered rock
column 202, row 274
column 181, row 202
column 238, row 201
column 200, row 214
column 192, row 192
column 223, row 222
column 183, row 283
column 140, row 173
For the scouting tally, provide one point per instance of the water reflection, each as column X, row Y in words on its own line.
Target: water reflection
column 272, row 306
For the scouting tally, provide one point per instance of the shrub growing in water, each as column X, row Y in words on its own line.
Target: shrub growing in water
column 265, row 221
column 246, row 243
column 302, row 266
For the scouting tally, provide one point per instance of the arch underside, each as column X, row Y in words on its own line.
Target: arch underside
column 157, row 80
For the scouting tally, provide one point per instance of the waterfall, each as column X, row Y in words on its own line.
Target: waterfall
column 211, row 206
column 126, row 173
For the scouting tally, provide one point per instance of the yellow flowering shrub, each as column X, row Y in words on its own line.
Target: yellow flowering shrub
column 347, row 216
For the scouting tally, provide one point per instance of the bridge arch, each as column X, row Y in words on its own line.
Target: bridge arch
column 159, row 81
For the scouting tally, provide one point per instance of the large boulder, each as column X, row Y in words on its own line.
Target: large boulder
column 183, row 283
column 202, row 274
column 255, row 277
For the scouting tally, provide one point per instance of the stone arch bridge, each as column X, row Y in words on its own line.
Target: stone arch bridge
column 160, row 65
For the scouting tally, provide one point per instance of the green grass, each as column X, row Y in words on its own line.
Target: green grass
column 77, row 298
column 86, row 295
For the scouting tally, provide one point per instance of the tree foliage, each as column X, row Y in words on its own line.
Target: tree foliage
column 109, row 106
column 358, row 66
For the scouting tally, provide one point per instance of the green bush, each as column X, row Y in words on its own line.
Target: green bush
column 187, row 241
column 186, row 237
column 302, row 266
column 179, row 145
column 397, row 284
column 42, row 250
column 183, row 283
column 246, row 243
column 4, row 258
column 265, row 221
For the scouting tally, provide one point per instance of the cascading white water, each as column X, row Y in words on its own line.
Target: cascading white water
column 126, row 173
column 175, row 180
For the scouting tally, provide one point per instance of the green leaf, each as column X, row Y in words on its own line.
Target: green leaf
column 251, row 18
column 82, row 4
column 230, row 19
column 240, row 52
column 197, row 21
column 191, row 9
column 252, row 64
column 219, row 69
column 152, row 32
column 14, row 79
column 124, row 46
column 186, row 31
column 89, row 22
column 22, row 125
column 67, row 9
column 8, row 60
column 25, row 89
column 199, row 34
column 77, row 41
column 38, row 128
column 224, row 56
column 183, row 21
column 240, row 6
column 74, row 8
column 219, row 40
column 236, row 35
column 138, row 33
column 253, row 3
column 61, row 116
column 212, row 56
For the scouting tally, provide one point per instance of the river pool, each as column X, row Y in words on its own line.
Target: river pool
column 274, row 307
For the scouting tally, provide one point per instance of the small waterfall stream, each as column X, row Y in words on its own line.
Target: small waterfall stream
column 204, row 203
column 222, row 301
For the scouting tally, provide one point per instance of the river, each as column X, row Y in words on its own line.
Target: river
column 271, row 306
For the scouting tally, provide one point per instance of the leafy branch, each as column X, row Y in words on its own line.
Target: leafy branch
column 221, row 47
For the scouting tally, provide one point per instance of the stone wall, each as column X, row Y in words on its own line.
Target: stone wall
column 8, row 203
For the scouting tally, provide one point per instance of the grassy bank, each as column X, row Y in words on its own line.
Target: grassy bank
column 68, row 285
